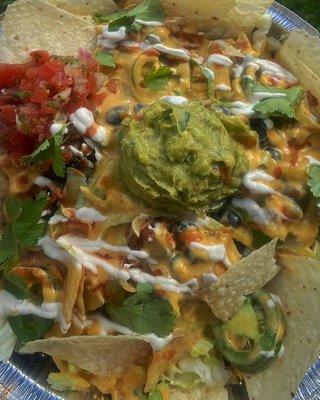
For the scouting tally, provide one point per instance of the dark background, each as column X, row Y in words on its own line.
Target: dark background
column 307, row 9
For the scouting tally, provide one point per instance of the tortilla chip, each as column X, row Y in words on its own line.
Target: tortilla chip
column 200, row 392
column 101, row 355
column 248, row 15
column 85, row 7
column 228, row 17
column 33, row 25
column 163, row 359
column 226, row 296
column 196, row 11
column 300, row 54
column 298, row 286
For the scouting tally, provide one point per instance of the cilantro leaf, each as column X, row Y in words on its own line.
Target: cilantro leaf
column 105, row 59
column 29, row 327
column 125, row 20
column 144, row 313
column 15, row 285
column 148, row 10
column 314, row 180
column 8, row 248
column 275, row 106
column 157, row 79
column 50, row 149
column 281, row 105
column 24, row 229
column 27, row 228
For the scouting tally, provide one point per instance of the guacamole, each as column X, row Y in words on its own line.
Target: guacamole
column 178, row 158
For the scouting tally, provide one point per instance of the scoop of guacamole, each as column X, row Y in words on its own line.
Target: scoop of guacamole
column 178, row 158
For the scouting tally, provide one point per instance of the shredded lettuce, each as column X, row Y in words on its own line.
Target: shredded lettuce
column 202, row 348
column 201, row 367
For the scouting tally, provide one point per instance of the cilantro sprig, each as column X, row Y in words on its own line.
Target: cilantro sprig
column 148, row 10
column 275, row 106
column 158, row 78
column 144, row 313
column 50, row 149
column 314, row 180
column 24, row 229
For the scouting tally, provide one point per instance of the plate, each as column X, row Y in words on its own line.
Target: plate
column 24, row 377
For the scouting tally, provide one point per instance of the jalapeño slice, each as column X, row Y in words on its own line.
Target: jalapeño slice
column 252, row 339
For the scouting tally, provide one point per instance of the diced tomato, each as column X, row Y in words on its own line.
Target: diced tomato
column 113, row 85
column 29, row 101
column 49, row 108
column 40, row 56
column 39, row 95
column 8, row 114
column 97, row 99
column 61, row 81
column 86, row 58
column 91, row 85
column 10, row 74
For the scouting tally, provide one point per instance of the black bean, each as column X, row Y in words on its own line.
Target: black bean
column 116, row 114
column 258, row 125
column 243, row 250
column 234, row 218
column 275, row 153
column 138, row 107
column 178, row 227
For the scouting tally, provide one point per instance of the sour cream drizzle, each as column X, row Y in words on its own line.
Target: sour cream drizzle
column 83, row 121
column 11, row 306
column 71, row 250
column 219, row 59
column 148, row 23
column 54, row 251
column 109, row 39
column 56, row 128
column 215, row 252
column 313, row 161
column 175, row 100
column 42, row 181
column 258, row 214
column 92, row 246
column 241, row 108
column 107, row 326
column 259, row 96
column 57, row 218
column 223, row 88
column 89, row 214
column 266, row 67
column 249, row 181
column 169, row 284
column 179, row 53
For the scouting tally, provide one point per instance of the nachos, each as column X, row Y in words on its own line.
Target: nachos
column 160, row 176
